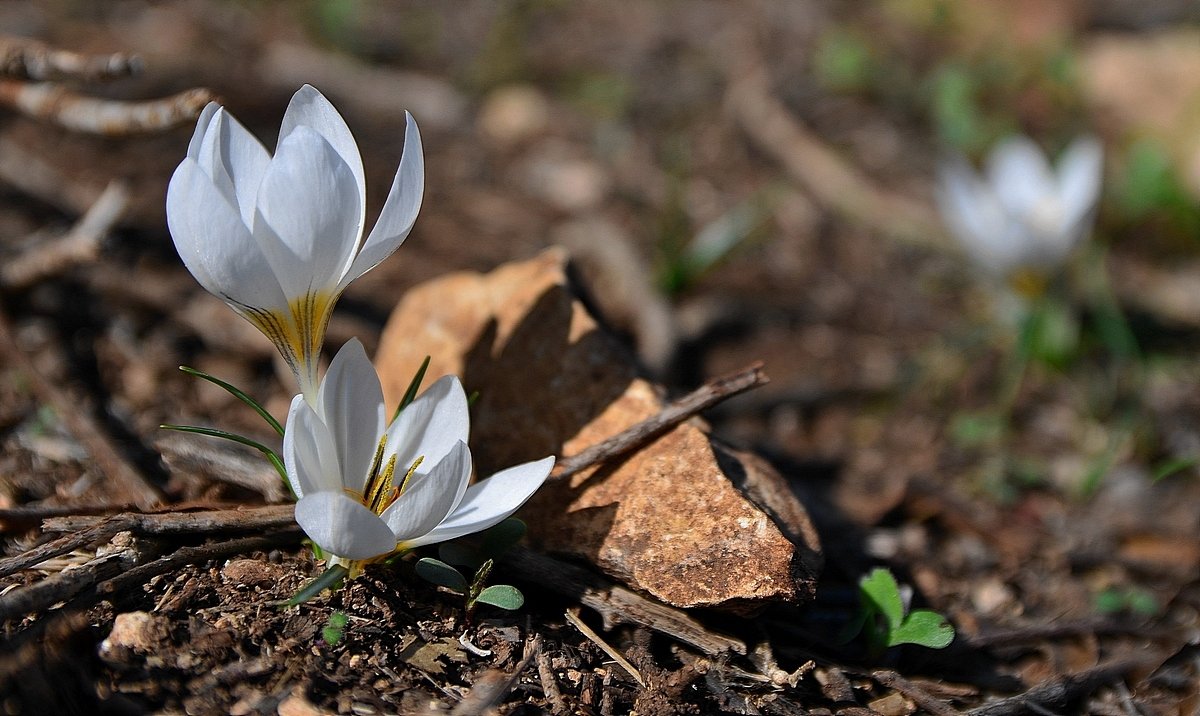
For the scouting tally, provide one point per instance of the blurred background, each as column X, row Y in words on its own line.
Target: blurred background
column 737, row 181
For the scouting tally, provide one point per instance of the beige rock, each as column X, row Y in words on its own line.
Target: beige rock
column 139, row 632
column 670, row 519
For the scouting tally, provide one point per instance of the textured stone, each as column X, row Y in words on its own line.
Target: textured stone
column 670, row 519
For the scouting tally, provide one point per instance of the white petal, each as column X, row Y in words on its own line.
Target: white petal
column 399, row 211
column 342, row 526
column 236, row 161
column 309, row 452
column 490, row 501
column 431, row 425
column 214, row 243
column 203, row 124
column 308, row 214
column 309, row 108
column 1020, row 175
column 1080, row 171
column 351, row 404
column 974, row 215
column 427, row 501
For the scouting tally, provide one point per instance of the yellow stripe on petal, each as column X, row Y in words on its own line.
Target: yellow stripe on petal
column 298, row 333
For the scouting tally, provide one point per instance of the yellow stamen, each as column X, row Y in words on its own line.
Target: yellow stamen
column 1028, row 283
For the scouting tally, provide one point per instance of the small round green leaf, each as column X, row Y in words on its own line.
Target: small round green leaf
column 504, row 596
column 923, row 627
column 880, row 589
column 441, row 574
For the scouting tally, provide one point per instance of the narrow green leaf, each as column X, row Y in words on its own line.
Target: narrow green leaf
column 272, row 456
column 441, row 574
column 237, row 393
column 880, row 588
column 1170, row 467
column 923, row 627
column 331, row 577
column 413, row 386
column 504, row 596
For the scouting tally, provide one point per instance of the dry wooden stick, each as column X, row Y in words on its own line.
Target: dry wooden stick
column 88, row 530
column 924, row 699
column 32, row 60
column 816, row 167
column 637, row 435
column 615, row 604
column 573, row 617
column 79, row 245
column 58, row 105
column 108, row 459
column 492, row 687
column 66, row 584
column 33, row 175
column 1058, row 694
column 190, row 555
column 550, row 685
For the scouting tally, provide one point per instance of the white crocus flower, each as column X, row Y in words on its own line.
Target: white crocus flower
column 1022, row 216
column 367, row 489
column 280, row 237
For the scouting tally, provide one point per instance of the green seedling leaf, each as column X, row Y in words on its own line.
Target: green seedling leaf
column 272, row 456
column 1172, row 467
column 237, row 393
column 414, row 385
column 923, row 627
column 504, row 596
column 441, row 574
column 334, row 628
column 880, row 589
column 330, row 578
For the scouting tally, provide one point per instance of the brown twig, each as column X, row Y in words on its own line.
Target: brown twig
column 66, row 584
column 108, row 459
column 19, row 519
column 924, row 699
column 79, row 245
column 58, row 105
column 573, row 617
column 88, row 530
column 28, row 59
column 550, row 684
column 615, row 604
column 1058, row 694
column 36, row 177
column 492, row 687
column 641, row 433
column 832, row 181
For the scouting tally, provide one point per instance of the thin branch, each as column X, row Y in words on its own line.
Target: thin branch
column 923, row 698
column 88, row 530
column 64, row 585
column 573, row 618
column 491, row 688
column 1058, row 694
column 616, row 604
column 58, row 105
column 109, row 460
column 79, row 245
column 641, row 433
column 28, row 59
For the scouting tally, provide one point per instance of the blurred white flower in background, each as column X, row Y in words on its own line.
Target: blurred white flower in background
column 1022, row 218
column 279, row 238
column 367, row 489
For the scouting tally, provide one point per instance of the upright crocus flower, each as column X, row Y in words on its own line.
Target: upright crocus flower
column 1023, row 217
column 367, row 489
column 280, row 237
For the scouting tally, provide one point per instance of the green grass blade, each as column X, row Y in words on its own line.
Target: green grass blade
column 413, row 386
column 329, row 578
column 272, row 456
column 237, row 393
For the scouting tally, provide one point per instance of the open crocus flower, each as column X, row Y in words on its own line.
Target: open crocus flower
column 1024, row 217
column 280, row 237
column 367, row 489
